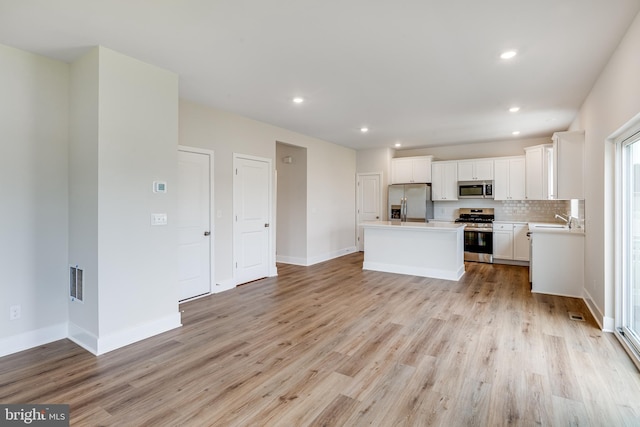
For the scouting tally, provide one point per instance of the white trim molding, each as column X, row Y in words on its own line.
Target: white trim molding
column 102, row 345
column 35, row 338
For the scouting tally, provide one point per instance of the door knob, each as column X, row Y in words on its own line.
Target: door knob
column 266, row 226
column 207, row 233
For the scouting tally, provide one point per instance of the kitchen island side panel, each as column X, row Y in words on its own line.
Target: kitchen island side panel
column 430, row 252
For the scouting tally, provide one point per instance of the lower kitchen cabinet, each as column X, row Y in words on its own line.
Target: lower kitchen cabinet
column 520, row 242
column 503, row 241
column 510, row 241
column 557, row 263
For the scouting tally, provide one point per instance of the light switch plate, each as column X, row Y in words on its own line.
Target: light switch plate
column 158, row 219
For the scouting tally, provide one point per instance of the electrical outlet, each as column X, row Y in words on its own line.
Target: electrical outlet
column 14, row 312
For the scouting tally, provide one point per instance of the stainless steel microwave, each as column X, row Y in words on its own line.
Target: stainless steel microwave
column 475, row 190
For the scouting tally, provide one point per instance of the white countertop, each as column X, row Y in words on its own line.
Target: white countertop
column 553, row 227
column 509, row 222
column 421, row 226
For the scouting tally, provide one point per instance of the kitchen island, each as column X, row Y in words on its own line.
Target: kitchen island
column 420, row 249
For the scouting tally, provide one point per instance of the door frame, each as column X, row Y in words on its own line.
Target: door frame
column 615, row 146
column 358, row 206
column 213, row 286
column 271, row 256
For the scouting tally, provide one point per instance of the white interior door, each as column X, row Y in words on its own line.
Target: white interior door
column 194, row 225
column 369, row 202
column 252, row 218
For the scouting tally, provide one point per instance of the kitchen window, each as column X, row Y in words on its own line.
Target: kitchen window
column 628, row 317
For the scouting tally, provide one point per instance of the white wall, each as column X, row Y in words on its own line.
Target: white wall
column 330, row 179
column 33, row 195
column 126, row 136
column 83, row 191
column 512, row 147
column 612, row 102
column 291, row 212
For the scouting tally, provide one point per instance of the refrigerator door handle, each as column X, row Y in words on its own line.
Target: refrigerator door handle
column 404, row 210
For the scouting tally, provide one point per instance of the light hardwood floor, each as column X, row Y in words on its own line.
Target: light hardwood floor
column 332, row 345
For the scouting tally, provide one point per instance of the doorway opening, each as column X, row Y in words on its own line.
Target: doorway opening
column 291, row 208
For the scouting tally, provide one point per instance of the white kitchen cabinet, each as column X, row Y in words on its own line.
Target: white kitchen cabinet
column 509, row 178
column 503, row 241
column 407, row 170
column 568, row 165
column 537, row 167
column 520, row 242
column 444, row 178
column 510, row 241
column 557, row 263
column 475, row 170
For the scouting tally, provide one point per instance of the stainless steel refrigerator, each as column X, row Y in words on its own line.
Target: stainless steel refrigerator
column 410, row 202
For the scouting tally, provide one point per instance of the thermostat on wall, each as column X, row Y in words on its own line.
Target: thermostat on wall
column 159, row 186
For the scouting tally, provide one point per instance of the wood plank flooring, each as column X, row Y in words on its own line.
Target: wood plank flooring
column 332, row 345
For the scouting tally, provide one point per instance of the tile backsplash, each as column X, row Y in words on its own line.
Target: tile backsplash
column 531, row 210
column 510, row 210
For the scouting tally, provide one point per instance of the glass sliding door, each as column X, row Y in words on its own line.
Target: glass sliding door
column 631, row 240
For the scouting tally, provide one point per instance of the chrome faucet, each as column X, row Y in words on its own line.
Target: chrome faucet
column 567, row 219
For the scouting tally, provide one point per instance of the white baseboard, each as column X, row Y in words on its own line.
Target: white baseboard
column 27, row 340
column 224, row 285
column 138, row 333
column 284, row 259
column 607, row 324
column 83, row 338
column 331, row 255
column 102, row 345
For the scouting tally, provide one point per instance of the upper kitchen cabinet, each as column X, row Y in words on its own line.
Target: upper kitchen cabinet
column 538, row 167
column 475, row 170
column 509, row 178
column 444, row 185
column 407, row 170
column 568, row 165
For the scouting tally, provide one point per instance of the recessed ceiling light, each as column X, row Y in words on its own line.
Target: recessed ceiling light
column 514, row 109
column 515, row 132
column 298, row 100
column 364, row 129
column 508, row 54
column 397, row 144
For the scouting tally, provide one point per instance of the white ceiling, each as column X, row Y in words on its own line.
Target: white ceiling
column 419, row 72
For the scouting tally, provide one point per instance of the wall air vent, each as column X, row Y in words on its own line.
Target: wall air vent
column 76, row 283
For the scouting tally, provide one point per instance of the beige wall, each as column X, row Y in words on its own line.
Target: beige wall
column 612, row 102
column 330, row 216
column 124, row 136
column 33, row 198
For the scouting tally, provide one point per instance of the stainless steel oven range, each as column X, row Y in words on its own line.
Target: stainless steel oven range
column 478, row 234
